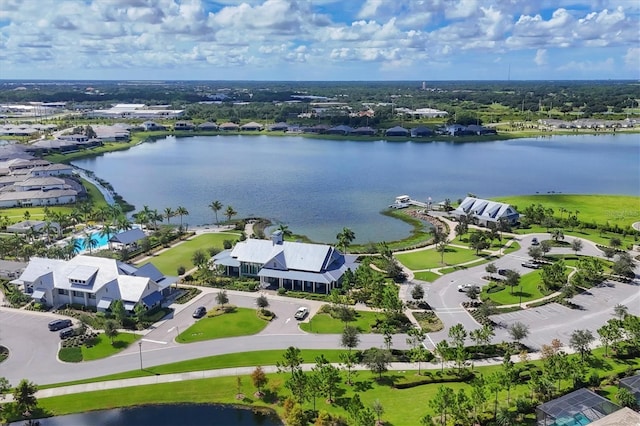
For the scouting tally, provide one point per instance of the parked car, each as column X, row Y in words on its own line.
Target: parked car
column 466, row 287
column 67, row 332
column 199, row 312
column 534, row 241
column 531, row 265
column 301, row 313
column 59, row 324
column 503, row 272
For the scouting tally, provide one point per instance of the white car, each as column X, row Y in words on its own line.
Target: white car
column 301, row 313
column 465, row 287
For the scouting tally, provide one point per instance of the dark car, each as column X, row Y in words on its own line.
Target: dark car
column 199, row 312
column 59, row 324
column 503, row 272
column 534, row 241
column 67, row 332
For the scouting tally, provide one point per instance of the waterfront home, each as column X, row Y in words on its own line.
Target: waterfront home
column 364, row 131
column 279, row 127
column 93, row 282
column 252, row 127
column 340, row 130
column 316, row 268
column 208, row 126
column 183, row 125
column 486, row 211
column 149, row 126
column 397, row 131
column 421, row 132
column 227, row 127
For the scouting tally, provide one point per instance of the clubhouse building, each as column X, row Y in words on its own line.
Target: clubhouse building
column 316, row 268
column 486, row 211
column 93, row 282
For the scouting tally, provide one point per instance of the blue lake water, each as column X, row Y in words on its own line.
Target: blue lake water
column 317, row 187
column 166, row 415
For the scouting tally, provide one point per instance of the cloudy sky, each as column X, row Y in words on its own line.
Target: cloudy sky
column 320, row 39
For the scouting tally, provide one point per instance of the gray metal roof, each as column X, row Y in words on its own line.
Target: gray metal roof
column 129, row 236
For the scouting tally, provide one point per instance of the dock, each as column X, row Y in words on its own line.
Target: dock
column 404, row 201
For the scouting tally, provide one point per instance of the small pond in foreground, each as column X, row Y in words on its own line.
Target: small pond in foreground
column 166, row 415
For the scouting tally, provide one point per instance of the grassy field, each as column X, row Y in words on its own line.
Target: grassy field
column 615, row 209
column 400, row 405
column 326, row 324
column 529, row 284
column 428, row 259
column 168, row 261
column 241, row 322
column 426, row 276
column 588, row 234
column 103, row 348
column 214, row 362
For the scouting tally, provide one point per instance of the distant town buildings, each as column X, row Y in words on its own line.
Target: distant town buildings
column 136, row 111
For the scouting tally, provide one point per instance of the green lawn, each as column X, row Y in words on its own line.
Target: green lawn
column 399, row 404
column 428, row 259
column 615, row 209
column 326, row 324
column 529, row 284
column 426, row 276
column 169, row 261
column 241, row 322
column 103, row 348
column 214, row 362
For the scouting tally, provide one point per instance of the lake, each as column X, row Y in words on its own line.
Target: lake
column 166, row 415
column 319, row 186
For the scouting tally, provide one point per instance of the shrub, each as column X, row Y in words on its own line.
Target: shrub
column 227, row 244
column 181, row 270
column 282, row 291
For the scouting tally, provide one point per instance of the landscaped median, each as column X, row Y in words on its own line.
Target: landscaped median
column 324, row 323
column 228, row 321
column 94, row 347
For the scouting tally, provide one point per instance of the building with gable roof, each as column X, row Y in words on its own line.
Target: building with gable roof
column 284, row 264
column 93, row 282
column 486, row 211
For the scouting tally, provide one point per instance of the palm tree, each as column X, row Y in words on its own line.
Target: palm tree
column 230, row 212
column 107, row 231
column 122, row 223
column 345, row 238
column 90, row 241
column 181, row 211
column 72, row 247
column 168, row 214
column 216, row 206
column 286, row 232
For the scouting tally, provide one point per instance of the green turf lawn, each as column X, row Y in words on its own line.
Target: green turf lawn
column 214, row 362
column 426, row 276
column 103, row 348
column 529, row 283
column 615, row 209
column 428, row 259
column 399, row 404
column 241, row 322
column 180, row 255
column 326, row 324
column 588, row 234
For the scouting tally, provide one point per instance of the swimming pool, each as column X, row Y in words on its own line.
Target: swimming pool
column 102, row 240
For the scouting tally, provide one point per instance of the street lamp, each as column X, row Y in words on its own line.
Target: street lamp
column 140, row 347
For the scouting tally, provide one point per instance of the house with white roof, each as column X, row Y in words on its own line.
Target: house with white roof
column 486, row 211
column 93, row 282
column 316, row 268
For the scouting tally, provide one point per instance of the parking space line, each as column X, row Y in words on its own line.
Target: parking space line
column 154, row 341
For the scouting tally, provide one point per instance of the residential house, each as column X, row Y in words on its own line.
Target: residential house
column 208, row 126
column 279, row 127
column 182, row 125
column 364, row 131
column 580, row 407
column 152, row 125
column 632, row 384
column 340, row 130
column 486, row 211
column 93, row 282
column 252, row 127
column 421, row 132
column 38, row 226
column 276, row 263
column 228, row 127
column 397, row 131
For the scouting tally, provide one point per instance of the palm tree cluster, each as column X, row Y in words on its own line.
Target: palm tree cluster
column 217, row 206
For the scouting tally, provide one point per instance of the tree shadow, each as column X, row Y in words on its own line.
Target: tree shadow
column 599, row 363
column 362, row 386
column 388, row 380
column 119, row 344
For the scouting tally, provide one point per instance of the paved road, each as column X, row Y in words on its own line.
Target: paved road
column 33, row 348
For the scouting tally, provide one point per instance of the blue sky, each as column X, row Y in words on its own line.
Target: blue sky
column 320, row 39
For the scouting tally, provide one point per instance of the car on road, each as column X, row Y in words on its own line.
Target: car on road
column 301, row 313
column 531, row 265
column 534, row 241
column 59, row 324
column 467, row 287
column 67, row 332
column 199, row 312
